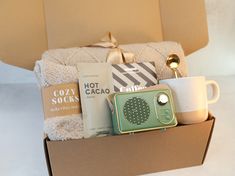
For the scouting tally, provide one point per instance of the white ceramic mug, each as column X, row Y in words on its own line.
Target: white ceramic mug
column 190, row 96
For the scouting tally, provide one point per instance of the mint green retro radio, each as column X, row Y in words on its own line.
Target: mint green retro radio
column 143, row 110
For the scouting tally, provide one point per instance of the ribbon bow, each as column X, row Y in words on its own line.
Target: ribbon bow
column 115, row 55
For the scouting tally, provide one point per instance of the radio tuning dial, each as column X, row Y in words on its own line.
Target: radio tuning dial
column 162, row 99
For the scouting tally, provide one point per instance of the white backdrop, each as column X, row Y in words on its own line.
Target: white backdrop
column 218, row 58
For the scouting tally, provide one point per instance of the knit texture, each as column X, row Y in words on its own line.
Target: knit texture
column 58, row 66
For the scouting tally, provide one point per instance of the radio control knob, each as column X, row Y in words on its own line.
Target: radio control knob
column 162, row 99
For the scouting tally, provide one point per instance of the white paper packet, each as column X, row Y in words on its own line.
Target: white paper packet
column 95, row 84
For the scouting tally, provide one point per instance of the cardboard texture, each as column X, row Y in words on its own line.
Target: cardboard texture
column 72, row 23
column 23, row 34
column 26, row 31
column 134, row 154
column 76, row 23
column 130, row 21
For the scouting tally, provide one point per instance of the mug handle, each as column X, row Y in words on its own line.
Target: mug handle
column 215, row 89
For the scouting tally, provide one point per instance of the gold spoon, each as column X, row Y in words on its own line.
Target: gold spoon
column 173, row 62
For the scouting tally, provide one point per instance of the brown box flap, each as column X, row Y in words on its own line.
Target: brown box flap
column 72, row 23
column 23, row 35
column 185, row 21
column 80, row 22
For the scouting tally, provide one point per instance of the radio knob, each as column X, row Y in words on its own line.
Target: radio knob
column 162, row 99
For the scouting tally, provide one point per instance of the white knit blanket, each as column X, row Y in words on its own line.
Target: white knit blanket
column 59, row 66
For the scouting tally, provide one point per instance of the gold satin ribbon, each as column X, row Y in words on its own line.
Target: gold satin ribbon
column 115, row 55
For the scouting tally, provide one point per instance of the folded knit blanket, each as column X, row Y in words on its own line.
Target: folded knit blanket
column 58, row 66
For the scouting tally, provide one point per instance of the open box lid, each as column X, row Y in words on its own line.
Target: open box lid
column 70, row 23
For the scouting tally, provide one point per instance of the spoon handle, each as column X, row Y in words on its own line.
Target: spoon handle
column 179, row 73
column 175, row 72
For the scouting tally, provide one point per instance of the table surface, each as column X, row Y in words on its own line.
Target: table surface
column 21, row 131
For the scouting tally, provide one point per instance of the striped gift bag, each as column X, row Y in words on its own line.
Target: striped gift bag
column 133, row 76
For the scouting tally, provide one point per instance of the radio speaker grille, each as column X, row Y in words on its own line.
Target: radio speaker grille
column 136, row 110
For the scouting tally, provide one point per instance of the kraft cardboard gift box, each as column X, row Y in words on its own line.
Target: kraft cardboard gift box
column 43, row 25
column 126, row 155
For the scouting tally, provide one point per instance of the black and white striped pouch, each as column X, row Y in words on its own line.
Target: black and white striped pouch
column 133, row 76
